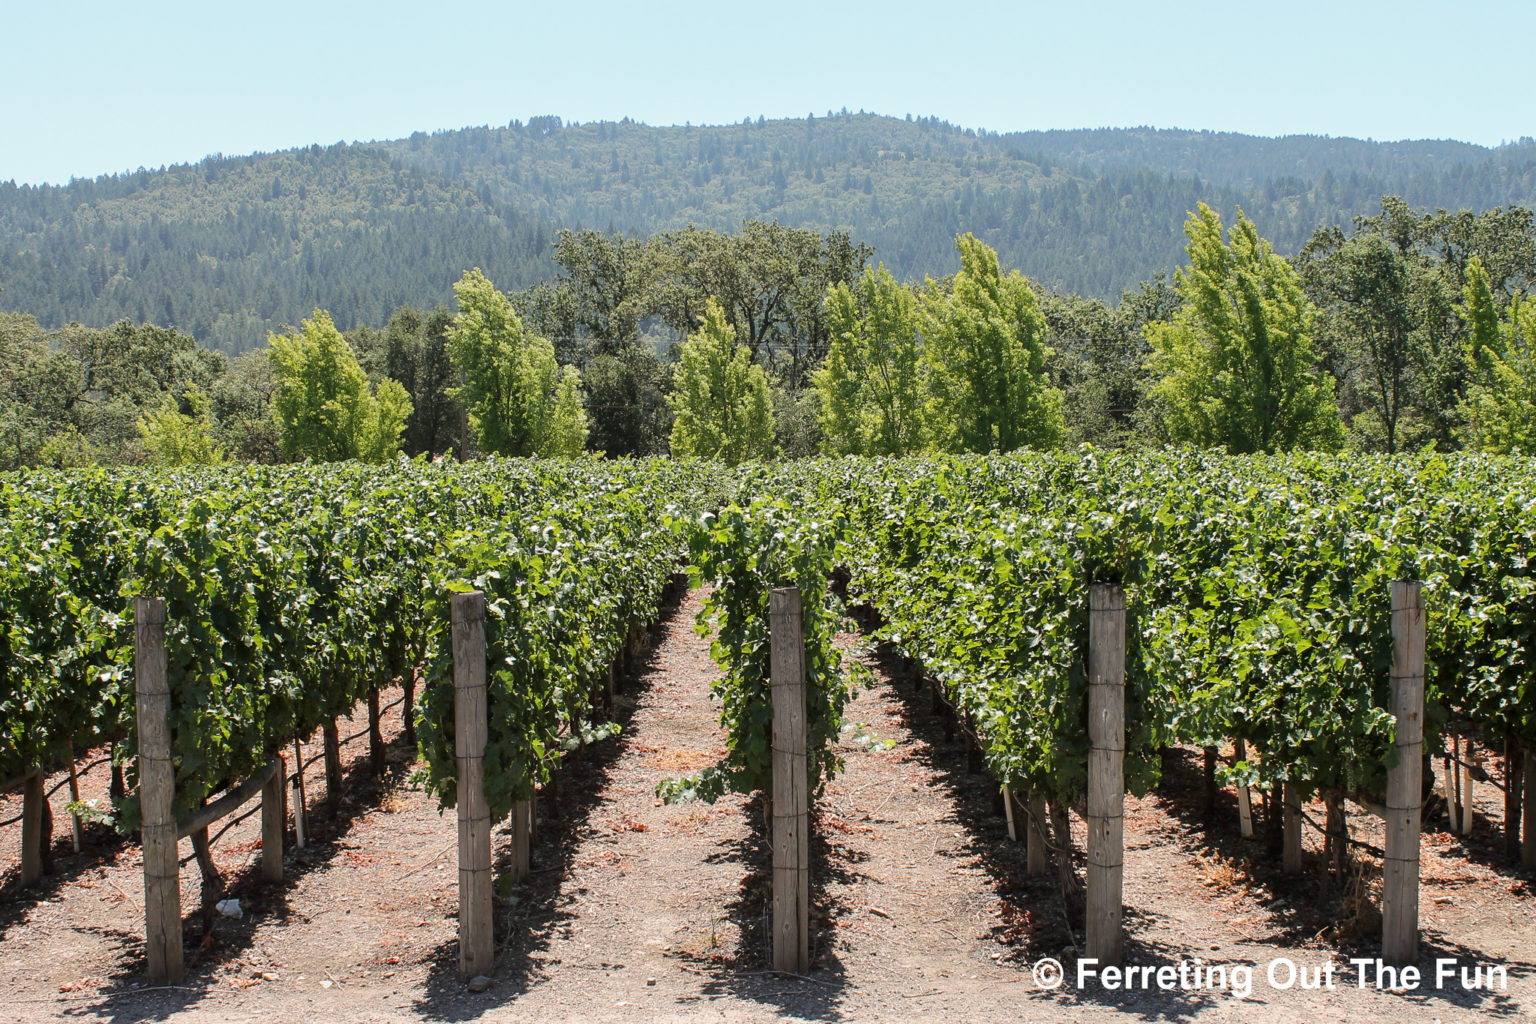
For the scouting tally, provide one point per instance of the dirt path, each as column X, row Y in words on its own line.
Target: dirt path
column 642, row 911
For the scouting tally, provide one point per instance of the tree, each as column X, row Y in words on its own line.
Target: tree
column 984, row 350
column 1436, row 249
column 870, row 387
column 720, row 401
column 416, row 355
column 519, row 401
column 627, row 403
column 38, row 390
column 324, row 408
column 769, row 280
column 594, row 310
column 1364, row 287
column 180, row 434
column 1500, row 408
column 241, row 406
column 1236, row 363
column 603, row 277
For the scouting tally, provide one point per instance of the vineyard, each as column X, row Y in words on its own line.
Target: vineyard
column 1257, row 597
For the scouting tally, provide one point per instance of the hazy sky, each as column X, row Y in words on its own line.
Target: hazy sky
column 90, row 88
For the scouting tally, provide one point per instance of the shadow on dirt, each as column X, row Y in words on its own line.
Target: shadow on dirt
column 211, row 941
column 749, row 975
column 538, row 911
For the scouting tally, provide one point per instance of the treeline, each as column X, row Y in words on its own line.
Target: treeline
column 1410, row 331
column 230, row 249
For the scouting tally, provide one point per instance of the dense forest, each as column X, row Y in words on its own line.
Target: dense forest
column 230, row 249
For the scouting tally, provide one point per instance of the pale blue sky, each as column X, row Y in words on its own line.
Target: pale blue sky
column 90, row 87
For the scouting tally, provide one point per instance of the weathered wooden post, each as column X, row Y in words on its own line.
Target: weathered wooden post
column 331, row 737
column 1290, row 860
column 33, row 840
column 274, row 821
column 377, row 755
column 1468, row 799
column 1400, row 867
column 1035, row 854
column 75, row 825
column 157, row 793
column 477, row 948
column 1528, row 808
column 791, row 808
column 299, row 810
column 1105, row 933
column 522, row 839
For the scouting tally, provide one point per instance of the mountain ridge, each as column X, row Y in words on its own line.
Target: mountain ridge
column 231, row 247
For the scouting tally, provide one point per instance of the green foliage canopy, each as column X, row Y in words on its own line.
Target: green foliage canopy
column 1237, row 364
column 871, row 385
column 720, row 400
column 520, row 401
column 985, row 353
column 325, row 409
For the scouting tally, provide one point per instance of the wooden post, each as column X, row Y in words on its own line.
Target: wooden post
column 1244, row 796
column 1454, row 794
column 376, row 752
column 1209, row 774
column 274, row 821
column 522, row 839
column 1105, row 934
column 157, row 792
column 1013, row 829
column 1467, row 800
column 1400, row 868
column 1036, row 853
column 1291, row 858
column 32, row 838
column 791, row 807
column 1511, row 797
column 408, row 705
column 74, row 796
column 331, row 737
column 477, row 948
column 299, row 810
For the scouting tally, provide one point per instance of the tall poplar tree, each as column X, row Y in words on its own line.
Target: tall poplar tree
column 720, row 401
column 984, row 348
column 871, row 388
column 519, row 400
column 1237, row 366
column 1499, row 413
column 324, row 408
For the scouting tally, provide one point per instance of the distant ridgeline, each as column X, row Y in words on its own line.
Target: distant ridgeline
column 228, row 249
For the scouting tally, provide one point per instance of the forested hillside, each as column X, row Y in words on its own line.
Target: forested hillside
column 228, row 249
column 1091, row 212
